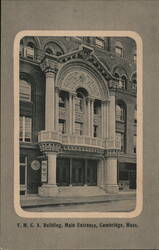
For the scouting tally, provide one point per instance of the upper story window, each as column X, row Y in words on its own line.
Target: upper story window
column 21, row 51
column 30, row 50
column 95, row 133
column 122, row 81
column 134, row 82
column 135, row 116
column 25, row 91
column 62, row 126
column 25, row 129
column 99, row 42
column 49, row 51
column 81, row 99
column 62, row 100
column 96, row 107
column 120, row 112
column 119, row 50
column 79, row 128
column 121, row 139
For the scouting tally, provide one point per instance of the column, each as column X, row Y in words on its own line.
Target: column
column 50, row 100
column 92, row 118
column 50, row 189
column 85, row 169
column 112, row 120
column 110, row 169
column 100, row 173
column 70, row 172
column 73, row 113
column 88, row 118
column 105, row 119
column 102, row 120
column 52, row 168
column 57, row 109
column 70, row 113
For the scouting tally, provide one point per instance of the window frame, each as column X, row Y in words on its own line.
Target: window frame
column 22, row 129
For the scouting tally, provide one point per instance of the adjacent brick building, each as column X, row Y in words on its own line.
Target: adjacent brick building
column 77, row 115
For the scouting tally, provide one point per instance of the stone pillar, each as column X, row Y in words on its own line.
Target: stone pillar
column 110, row 169
column 104, row 119
column 70, row 113
column 57, row 109
column 73, row 113
column 50, row 100
column 92, row 118
column 100, row 173
column 112, row 120
column 88, row 118
column 50, row 189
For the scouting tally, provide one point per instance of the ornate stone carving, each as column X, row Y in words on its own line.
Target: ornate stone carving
column 48, row 65
column 50, row 147
column 83, row 149
column 111, row 153
column 80, row 78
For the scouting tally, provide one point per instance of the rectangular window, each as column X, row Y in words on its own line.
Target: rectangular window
column 79, row 128
column 95, row 131
column 99, row 42
column 25, row 129
column 134, row 143
column 23, row 175
column 119, row 50
column 62, row 126
column 25, row 91
column 121, row 139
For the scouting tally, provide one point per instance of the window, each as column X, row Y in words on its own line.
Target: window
column 21, row 51
column 80, row 102
column 49, row 51
column 96, row 107
column 135, row 116
column 62, row 126
column 99, row 42
column 95, row 131
column 23, row 174
column 25, row 91
column 30, row 50
column 79, row 128
column 134, row 84
column 120, row 113
column 62, row 100
column 135, row 58
column 123, row 82
column 25, row 129
column 134, row 144
column 121, row 139
column 119, row 48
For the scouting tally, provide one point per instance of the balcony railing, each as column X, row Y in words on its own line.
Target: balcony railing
column 49, row 136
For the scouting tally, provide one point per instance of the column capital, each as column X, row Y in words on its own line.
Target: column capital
column 49, row 67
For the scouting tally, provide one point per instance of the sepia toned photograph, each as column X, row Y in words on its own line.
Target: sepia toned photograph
column 77, row 124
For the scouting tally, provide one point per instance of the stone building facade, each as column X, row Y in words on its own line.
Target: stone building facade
column 77, row 115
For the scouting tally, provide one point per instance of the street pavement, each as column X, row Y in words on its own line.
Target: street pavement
column 107, row 206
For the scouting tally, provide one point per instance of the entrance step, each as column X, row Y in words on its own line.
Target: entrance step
column 80, row 191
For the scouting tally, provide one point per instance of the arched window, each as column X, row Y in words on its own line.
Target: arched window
column 120, row 112
column 49, row 51
column 123, row 82
column 53, row 48
column 62, row 99
column 30, row 50
column 25, row 91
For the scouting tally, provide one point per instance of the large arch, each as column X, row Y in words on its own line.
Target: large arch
column 79, row 74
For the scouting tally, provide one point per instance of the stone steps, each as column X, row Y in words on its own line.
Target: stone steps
column 80, row 191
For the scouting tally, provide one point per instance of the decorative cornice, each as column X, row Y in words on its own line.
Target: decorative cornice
column 83, row 149
column 50, row 147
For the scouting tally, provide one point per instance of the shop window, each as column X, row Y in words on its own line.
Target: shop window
column 99, row 42
column 25, row 129
column 23, row 175
column 62, row 126
column 79, row 128
column 30, row 50
column 25, row 91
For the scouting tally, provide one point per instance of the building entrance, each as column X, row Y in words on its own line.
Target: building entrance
column 76, row 172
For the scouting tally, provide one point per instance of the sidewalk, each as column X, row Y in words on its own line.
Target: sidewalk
column 37, row 201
